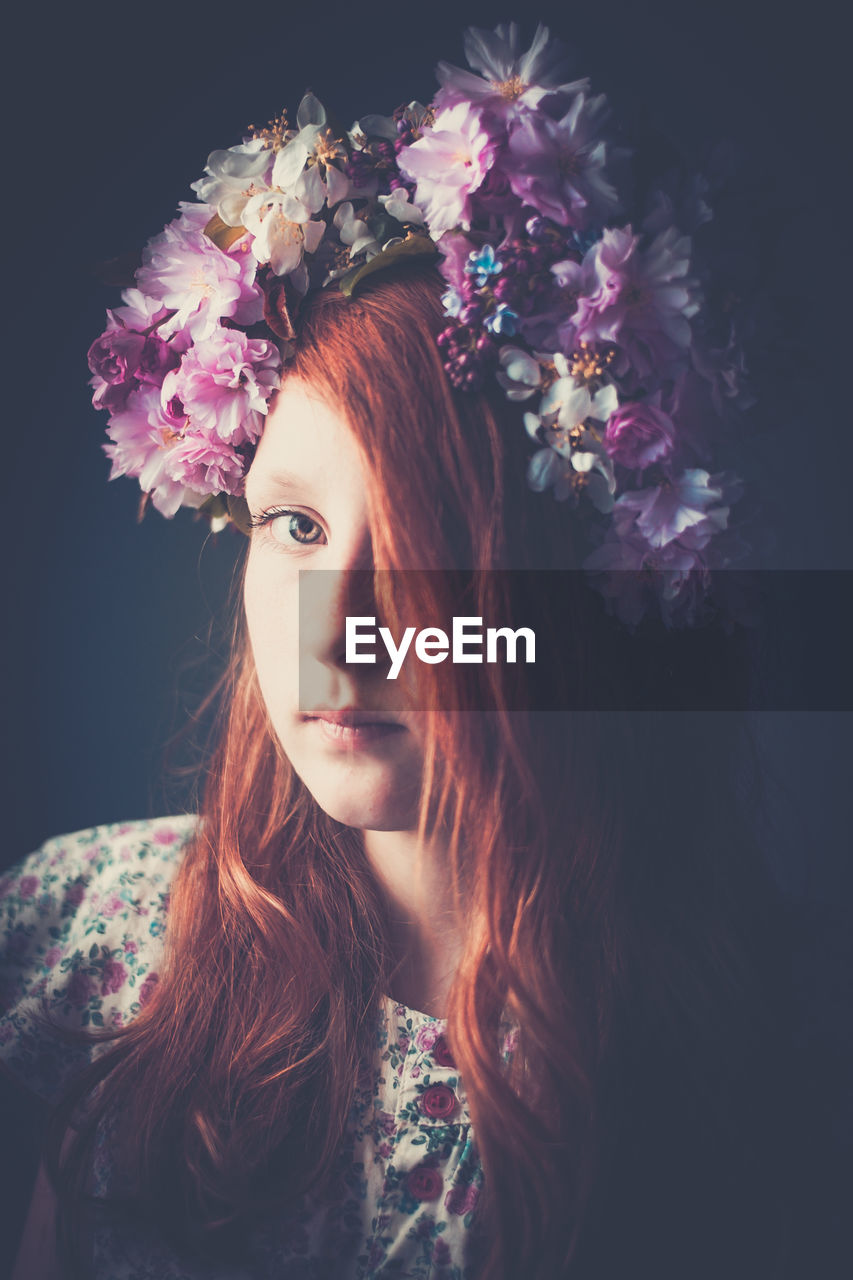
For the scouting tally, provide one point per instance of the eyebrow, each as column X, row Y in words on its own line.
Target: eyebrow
column 278, row 480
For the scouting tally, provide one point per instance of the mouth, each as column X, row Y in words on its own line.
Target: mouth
column 353, row 727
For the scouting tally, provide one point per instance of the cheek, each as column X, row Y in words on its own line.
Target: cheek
column 270, row 599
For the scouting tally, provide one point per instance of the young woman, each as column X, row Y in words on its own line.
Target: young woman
column 443, row 980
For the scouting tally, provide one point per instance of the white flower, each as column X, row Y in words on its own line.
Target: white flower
column 282, row 232
column 399, row 205
column 355, row 232
column 234, row 177
column 572, row 402
column 519, row 374
column 305, row 167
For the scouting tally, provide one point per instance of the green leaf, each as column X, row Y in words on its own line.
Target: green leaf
column 414, row 246
column 238, row 511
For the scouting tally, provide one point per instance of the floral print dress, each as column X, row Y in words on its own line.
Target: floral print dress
column 83, row 922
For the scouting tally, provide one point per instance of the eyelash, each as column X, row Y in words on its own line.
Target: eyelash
column 264, row 519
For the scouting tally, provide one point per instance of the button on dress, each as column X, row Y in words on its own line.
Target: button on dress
column 82, row 922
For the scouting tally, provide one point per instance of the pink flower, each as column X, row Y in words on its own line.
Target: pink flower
column 638, row 433
column 53, row 956
column 141, row 436
column 28, row 886
column 640, row 299
column 186, row 272
column 111, row 906
column 224, row 383
column 130, row 947
column 449, row 164
column 205, row 464
column 113, row 978
column 461, row 1200
column 426, row 1036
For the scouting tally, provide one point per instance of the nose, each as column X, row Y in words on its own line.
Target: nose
column 327, row 597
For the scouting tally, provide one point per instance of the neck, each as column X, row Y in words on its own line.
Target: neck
column 426, row 929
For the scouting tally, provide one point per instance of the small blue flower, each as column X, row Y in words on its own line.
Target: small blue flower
column 452, row 301
column 502, row 321
column 483, row 264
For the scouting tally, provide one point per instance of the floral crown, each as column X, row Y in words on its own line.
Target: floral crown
column 594, row 323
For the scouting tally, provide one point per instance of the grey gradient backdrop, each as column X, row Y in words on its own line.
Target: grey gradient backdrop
column 111, row 112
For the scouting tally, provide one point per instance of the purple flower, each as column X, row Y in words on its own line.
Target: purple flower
column 113, row 977
column 557, row 166
column 642, row 299
column 638, row 433
column 79, row 989
column 186, row 272
column 224, row 383
column 667, row 511
column 448, row 164
column 28, row 886
column 114, row 359
column 510, row 81
column 147, row 988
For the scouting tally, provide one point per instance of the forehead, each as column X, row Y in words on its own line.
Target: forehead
column 306, row 444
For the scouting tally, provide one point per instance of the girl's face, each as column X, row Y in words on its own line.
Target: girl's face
column 306, row 485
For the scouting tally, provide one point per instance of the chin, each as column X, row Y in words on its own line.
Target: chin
column 371, row 794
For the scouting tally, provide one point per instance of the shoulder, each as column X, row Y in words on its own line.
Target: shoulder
column 82, row 922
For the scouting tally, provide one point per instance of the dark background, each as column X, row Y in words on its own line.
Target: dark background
column 110, row 627
column 112, row 114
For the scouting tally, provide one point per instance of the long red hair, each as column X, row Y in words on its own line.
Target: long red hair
column 617, row 910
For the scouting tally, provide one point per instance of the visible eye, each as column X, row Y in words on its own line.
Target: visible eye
column 287, row 526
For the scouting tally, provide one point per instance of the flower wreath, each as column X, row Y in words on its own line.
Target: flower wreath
column 596, row 325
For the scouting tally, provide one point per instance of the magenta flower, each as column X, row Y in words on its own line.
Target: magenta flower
column 448, row 164
column 641, row 299
column 557, row 166
column 147, row 988
column 639, row 433
column 224, row 383
column 28, row 886
column 461, row 1200
column 113, row 977
column 201, row 284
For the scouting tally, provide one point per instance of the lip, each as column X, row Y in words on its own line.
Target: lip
column 351, row 717
column 353, row 727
